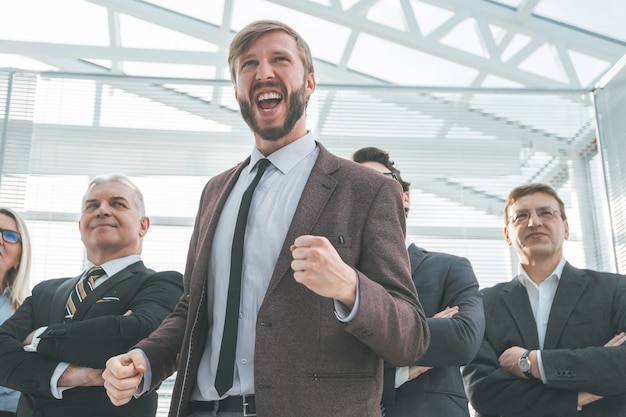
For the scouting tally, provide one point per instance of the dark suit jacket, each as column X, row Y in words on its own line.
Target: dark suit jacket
column 97, row 332
column 589, row 308
column 442, row 280
column 308, row 363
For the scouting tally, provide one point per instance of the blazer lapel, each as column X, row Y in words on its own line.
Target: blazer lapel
column 106, row 286
column 416, row 257
column 59, row 299
column 516, row 299
column 315, row 196
column 571, row 287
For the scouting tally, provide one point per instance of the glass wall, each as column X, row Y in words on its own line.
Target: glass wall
column 461, row 149
column 610, row 99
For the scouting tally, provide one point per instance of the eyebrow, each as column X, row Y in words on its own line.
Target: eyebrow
column 536, row 208
column 114, row 198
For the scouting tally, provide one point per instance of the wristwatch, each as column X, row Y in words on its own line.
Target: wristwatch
column 524, row 365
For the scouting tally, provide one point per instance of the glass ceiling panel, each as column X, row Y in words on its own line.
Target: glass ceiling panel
column 605, row 17
column 450, row 43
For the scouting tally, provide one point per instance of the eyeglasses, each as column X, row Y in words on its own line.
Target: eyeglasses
column 523, row 216
column 390, row 174
column 10, row 236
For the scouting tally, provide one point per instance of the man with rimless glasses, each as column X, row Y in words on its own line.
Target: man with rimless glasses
column 554, row 338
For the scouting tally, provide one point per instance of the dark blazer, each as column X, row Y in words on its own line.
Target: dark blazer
column 308, row 363
column 442, row 280
column 589, row 308
column 97, row 332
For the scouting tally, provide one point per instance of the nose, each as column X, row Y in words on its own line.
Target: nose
column 533, row 219
column 103, row 209
column 264, row 71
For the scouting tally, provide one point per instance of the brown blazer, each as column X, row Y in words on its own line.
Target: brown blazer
column 308, row 363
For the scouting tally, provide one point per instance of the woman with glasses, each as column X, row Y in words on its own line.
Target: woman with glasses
column 14, row 283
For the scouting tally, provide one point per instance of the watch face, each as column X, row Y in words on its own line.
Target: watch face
column 524, row 365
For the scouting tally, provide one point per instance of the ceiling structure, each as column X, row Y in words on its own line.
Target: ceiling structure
column 471, row 43
column 478, row 68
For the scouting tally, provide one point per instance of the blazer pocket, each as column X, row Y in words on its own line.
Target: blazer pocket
column 108, row 299
column 340, row 241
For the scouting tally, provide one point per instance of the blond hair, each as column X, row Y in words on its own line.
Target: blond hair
column 18, row 279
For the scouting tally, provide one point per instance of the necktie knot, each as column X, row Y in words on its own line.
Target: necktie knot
column 94, row 272
column 82, row 289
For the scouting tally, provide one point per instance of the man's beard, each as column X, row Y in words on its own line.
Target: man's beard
column 296, row 105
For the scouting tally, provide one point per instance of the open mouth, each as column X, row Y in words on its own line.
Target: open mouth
column 268, row 101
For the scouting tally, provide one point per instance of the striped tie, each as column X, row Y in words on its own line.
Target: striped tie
column 82, row 290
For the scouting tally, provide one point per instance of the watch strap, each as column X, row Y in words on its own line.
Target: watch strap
column 528, row 373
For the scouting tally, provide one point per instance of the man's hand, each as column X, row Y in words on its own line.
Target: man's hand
column 29, row 338
column 318, row 266
column 415, row 371
column 509, row 361
column 80, row 376
column 585, row 398
column 447, row 313
column 617, row 340
column 122, row 376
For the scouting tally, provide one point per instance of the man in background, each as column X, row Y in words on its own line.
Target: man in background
column 54, row 348
column 448, row 290
column 554, row 338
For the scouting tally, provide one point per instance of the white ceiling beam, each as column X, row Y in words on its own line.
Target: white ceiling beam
column 535, row 27
column 35, row 49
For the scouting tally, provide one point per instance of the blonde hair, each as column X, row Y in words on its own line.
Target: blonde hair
column 18, row 279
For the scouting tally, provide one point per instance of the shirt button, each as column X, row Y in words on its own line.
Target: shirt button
column 244, row 361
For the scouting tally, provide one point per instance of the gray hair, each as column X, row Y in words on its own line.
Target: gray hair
column 105, row 179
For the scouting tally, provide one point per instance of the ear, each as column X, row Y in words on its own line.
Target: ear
column 406, row 199
column 506, row 235
column 236, row 92
column 566, row 227
column 144, row 225
column 310, row 84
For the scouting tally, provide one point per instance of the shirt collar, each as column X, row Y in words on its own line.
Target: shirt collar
column 114, row 266
column 524, row 278
column 288, row 156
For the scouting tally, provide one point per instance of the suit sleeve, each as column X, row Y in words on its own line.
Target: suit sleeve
column 596, row 369
column 164, row 346
column 92, row 341
column 23, row 371
column 455, row 341
column 389, row 308
column 493, row 391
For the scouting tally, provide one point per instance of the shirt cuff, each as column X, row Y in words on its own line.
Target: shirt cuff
column 542, row 373
column 344, row 314
column 35, row 342
column 402, row 375
column 57, row 392
column 144, row 386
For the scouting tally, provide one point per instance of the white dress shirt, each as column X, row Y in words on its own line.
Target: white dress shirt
column 273, row 206
column 541, row 297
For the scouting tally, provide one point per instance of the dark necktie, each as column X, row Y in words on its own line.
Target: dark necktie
column 82, row 290
column 226, row 364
